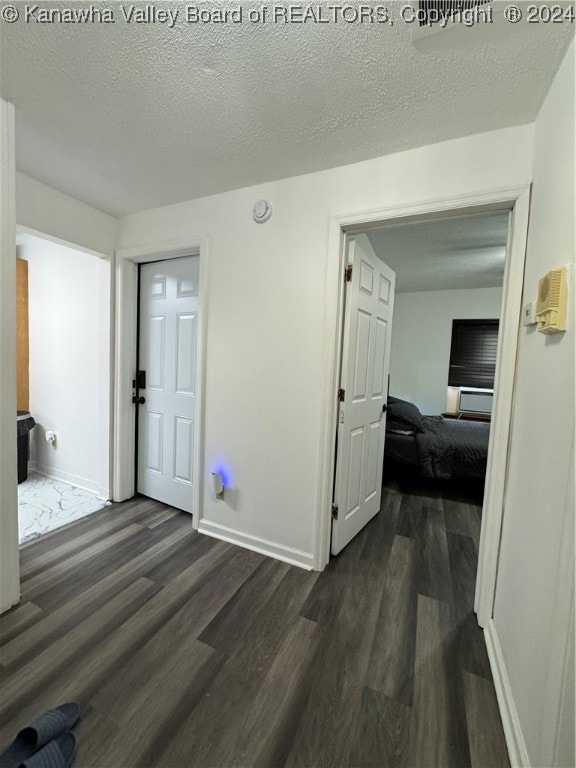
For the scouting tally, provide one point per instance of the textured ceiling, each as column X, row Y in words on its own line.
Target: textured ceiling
column 129, row 116
column 467, row 252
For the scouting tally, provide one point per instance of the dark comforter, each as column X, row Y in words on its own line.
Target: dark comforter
column 453, row 448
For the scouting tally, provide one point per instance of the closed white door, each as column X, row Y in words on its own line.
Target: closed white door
column 364, row 388
column 167, row 354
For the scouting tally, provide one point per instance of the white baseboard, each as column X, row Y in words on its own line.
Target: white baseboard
column 511, row 722
column 92, row 486
column 5, row 606
column 255, row 543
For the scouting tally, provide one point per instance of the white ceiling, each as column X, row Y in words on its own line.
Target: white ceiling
column 467, row 252
column 127, row 117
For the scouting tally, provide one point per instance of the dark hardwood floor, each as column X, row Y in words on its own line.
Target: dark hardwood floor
column 186, row 651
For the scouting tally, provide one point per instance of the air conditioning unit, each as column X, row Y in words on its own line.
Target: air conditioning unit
column 475, row 401
column 433, row 16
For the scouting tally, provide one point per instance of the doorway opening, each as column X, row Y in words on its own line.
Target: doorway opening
column 63, row 383
column 427, row 370
column 513, row 205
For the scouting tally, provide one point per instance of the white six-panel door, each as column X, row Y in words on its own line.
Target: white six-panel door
column 167, row 352
column 364, row 379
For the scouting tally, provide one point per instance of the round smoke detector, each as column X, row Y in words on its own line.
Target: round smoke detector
column 262, row 211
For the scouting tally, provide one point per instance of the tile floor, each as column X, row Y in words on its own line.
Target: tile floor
column 45, row 504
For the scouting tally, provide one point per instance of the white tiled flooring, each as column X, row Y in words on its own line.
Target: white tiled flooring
column 45, row 504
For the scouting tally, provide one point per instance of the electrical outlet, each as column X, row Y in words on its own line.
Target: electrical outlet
column 529, row 314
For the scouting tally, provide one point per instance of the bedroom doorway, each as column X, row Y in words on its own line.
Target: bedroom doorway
column 513, row 207
column 434, row 369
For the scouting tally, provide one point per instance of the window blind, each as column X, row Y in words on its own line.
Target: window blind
column 473, row 353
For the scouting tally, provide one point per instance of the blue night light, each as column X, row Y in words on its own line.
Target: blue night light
column 222, row 469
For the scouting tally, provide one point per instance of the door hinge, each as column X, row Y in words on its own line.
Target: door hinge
column 341, row 395
column 348, row 273
column 335, row 511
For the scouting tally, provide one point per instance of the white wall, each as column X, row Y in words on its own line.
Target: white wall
column 267, row 305
column 9, row 567
column 50, row 212
column 69, row 300
column 421, row 337
column 534, row 607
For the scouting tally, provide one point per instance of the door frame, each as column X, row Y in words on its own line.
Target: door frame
column 127, row 261
column 514, row 200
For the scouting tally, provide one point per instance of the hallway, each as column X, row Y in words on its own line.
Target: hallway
column 187, row 651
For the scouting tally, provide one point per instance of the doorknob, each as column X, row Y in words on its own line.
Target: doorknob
column 384, row 407
column 139, row 383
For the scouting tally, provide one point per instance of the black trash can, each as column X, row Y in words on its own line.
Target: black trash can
column 25, row 423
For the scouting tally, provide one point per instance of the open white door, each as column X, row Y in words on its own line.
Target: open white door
column 167, row 355
column 364, row 384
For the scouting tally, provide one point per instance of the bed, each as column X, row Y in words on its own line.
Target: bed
column 439, row 448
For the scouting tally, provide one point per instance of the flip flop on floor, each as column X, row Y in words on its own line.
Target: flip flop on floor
column 56, row 754
column 45, row 728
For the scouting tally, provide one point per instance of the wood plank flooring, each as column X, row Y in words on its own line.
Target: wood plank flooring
column 188, row 652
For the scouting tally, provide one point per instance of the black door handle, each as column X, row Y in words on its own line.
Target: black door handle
column 384, row 407
column 139, row 383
